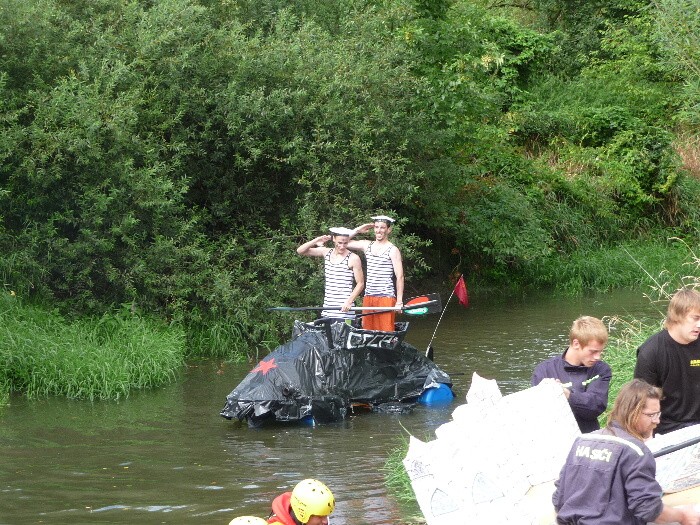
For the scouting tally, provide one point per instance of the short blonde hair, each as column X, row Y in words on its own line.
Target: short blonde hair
column 586, row 329
column 630, row 402
column 682, row 303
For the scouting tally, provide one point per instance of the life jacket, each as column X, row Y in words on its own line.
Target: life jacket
column 280, row 510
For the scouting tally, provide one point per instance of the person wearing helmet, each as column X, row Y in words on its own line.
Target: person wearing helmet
column 247, row 520
column 310, row 503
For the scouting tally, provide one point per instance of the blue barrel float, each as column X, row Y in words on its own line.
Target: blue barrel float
column 438, row 395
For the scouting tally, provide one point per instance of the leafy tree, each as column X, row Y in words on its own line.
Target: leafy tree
column 678, row 33
column 171, row 154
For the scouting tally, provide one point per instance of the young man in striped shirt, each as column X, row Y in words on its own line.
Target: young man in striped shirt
column 341, row 268
column 384, row 273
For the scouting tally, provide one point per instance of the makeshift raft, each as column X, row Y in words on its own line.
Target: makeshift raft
column 328, row 368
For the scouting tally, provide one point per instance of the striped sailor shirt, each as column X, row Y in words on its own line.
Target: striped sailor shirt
column 380, row 273
column 339, row 286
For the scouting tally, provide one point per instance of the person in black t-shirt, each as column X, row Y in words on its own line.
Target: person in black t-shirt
column 670, row 359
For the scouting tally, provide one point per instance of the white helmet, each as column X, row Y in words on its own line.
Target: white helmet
column 247, row 520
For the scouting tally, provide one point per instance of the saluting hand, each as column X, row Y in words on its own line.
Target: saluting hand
column 321, row 240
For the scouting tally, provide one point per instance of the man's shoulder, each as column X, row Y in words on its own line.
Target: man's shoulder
column 620, row 436
column 654, row 342
column 602, row 367
column 553, row 359
column 556, row 358
column 548, row 363
column 663, row 343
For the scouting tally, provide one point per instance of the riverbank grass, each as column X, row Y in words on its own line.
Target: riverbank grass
column 636, row 265
column 621, row 353
column 395, row 475
column 43, row 354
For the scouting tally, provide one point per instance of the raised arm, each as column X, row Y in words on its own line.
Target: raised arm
column 314, row 247
column 362, row 244
column 364, row 228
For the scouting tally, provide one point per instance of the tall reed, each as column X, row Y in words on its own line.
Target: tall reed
column 631, row 265
column 43, row 354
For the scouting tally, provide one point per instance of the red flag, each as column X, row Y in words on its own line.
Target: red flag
column 461, row 291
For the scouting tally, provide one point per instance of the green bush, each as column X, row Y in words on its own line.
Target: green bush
column 172, row 154
column 677, row 32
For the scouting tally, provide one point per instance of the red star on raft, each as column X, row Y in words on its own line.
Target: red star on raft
column 265, row 366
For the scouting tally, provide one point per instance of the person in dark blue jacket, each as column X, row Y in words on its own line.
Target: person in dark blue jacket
column 584, row 376
column 609, row 474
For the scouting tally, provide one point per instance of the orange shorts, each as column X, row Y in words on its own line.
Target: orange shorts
column 384, row 321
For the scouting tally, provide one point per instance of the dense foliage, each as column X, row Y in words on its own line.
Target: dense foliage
column 171, row 154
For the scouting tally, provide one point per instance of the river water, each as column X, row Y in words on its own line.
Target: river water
column 167, row 457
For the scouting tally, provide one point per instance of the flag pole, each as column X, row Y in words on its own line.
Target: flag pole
column 429, row 350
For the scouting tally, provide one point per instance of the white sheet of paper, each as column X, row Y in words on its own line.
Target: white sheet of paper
column 484, row 462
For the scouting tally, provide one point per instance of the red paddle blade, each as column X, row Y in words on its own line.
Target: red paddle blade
column 423, row 304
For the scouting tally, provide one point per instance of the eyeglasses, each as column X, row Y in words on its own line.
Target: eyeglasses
column 653, row 415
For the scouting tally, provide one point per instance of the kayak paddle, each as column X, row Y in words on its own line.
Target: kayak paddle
column 420, row 305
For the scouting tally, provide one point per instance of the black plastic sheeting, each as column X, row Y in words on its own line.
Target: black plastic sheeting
column 328, row 367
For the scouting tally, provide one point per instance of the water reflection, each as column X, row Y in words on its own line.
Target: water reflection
column 168, row 457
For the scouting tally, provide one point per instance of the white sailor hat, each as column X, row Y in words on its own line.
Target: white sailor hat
column 340, row 230
column 383, row 218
